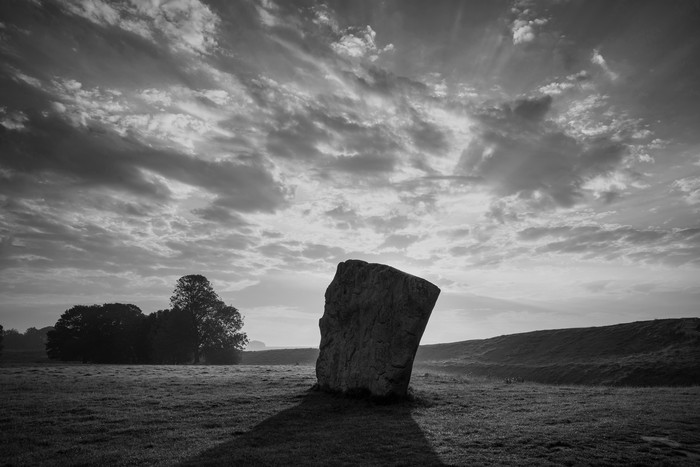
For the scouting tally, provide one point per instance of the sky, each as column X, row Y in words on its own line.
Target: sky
column 537, row 161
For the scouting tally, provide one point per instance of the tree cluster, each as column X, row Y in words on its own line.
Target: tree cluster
column 31, row 339
column 198, row 324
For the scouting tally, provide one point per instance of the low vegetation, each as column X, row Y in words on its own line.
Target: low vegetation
column 63, row 414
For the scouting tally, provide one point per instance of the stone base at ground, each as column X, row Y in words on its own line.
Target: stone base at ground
column 371, row 327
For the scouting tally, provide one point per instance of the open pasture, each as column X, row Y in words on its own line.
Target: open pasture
column 265, row 415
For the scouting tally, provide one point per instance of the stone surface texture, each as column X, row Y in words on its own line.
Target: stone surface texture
column 372, row 323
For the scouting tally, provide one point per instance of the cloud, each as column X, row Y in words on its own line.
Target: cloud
column 42, row 238
column 580, row 81
column 525, row 27
column 295, row 137
column 532, row 109
column 358, row 43
column 187, row 25
column 301, row 255
column 180, row 128
column 344, row 217
column 523, row 31
column 666, row 246
column 220, row 215
column 399, row 241
column 53, row 146
column 12, row 120
column 427, row 136
column 593, row 117
column 101, row 157
column 515, row 151
column 363, row 163
column 331, row 254
column 177, row 114
column 597, row 59
column 689, row 187
column 324, row 16
column 245, row 186
column 267, row 11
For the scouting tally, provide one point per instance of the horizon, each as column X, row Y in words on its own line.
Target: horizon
column 538, row 161
column 275, row 347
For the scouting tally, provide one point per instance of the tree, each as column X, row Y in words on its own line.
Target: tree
column 171, row 335
column 216, row 324
column 13, row 339
column 98, row 333
column 35, row 338
column 32, row 339
column 223, row 342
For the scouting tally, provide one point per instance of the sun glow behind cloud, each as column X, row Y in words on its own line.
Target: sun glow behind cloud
column 260, row 143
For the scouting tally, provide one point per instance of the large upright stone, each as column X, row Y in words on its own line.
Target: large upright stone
column 372, row 323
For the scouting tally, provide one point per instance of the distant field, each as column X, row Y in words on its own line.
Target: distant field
column 241, row 415
column 646, row 353
column 280, row 357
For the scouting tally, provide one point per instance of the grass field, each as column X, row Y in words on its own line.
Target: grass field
column 265, row 415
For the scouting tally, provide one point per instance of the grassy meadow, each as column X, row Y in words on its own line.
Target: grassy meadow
column 58, row 414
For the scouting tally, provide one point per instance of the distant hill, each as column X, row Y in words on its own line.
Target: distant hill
column 256, row 345
column 663, row 352
column 644, row 353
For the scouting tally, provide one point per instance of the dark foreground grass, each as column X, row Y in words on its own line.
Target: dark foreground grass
column 249, row 415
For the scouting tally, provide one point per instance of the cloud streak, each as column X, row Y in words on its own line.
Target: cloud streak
column 187, row 25
column 518, row 151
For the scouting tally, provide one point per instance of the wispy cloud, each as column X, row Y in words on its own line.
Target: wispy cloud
column 597, row 59
column 671, row 246
column 690, row 188
column 187, row 25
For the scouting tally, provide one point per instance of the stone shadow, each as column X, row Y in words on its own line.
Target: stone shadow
column 328, row 430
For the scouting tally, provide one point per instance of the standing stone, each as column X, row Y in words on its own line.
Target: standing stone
column 372, row 324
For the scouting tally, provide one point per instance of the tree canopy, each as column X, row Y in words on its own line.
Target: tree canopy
column 98, row 333
column 216, row 325
column 31, row 339
column 198, row 324
column 171, row 335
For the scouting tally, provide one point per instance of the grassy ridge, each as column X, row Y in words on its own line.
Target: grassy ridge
column 646, row 353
